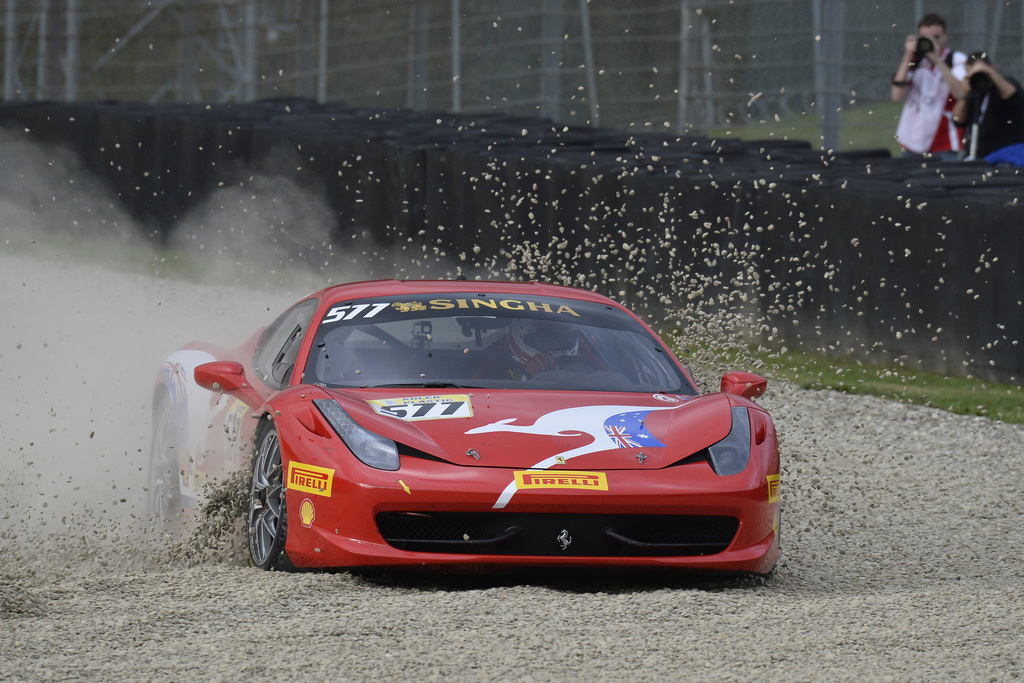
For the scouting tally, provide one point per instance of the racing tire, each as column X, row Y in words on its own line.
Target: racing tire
column 164, row 478
column 267, row 518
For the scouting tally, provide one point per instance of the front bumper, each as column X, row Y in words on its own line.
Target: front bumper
column 439, row 515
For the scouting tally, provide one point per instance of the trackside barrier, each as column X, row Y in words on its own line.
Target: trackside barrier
column 854, row 253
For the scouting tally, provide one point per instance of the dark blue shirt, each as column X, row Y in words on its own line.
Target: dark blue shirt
column 1001, row 122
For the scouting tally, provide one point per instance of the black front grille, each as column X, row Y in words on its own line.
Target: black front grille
column 540, row 534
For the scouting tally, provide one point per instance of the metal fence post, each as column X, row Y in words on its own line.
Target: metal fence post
column 10, row 50
column 321, row 86
column 591, row 67
column 415, row 94
column 993, row 41
column 42, row 49
column 706, row 64
column 251, row 52
column 456, row 56
column 305, row 63
column 50, row 70
column 828, row 68
column 683, row 90
column 186, row 85
column 551, row 59
column 72, row 66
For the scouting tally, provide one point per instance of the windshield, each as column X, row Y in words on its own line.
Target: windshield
column 489, row 341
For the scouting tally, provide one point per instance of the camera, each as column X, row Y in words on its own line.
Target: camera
column 980, row 81
column 924, row 46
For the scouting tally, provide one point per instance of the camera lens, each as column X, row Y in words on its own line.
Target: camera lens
column 924, row 46
column 981, row 82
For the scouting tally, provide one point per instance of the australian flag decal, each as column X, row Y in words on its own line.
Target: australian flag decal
column 627, row 430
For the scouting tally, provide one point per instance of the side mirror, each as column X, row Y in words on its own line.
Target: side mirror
column 221, row 375
column 745, row 384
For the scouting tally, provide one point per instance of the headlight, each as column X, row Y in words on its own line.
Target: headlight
column 730, row 455
column 372, row 449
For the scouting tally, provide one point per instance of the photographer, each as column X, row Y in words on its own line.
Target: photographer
column 994, row 109
column 928, row 81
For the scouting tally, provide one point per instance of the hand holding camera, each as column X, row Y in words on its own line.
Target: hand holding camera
column 924, row 48
column 979, row 73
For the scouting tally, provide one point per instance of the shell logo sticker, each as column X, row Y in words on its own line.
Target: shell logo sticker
column 412, row 408
column 412, row 306
column 307, row 513
column 561, row 479
column 773, row 488
column 310, row 479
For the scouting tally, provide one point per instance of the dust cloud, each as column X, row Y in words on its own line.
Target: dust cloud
column 89, row 312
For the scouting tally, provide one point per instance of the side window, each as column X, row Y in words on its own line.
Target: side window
column 278, row 348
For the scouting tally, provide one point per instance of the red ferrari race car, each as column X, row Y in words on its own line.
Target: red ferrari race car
column 459, row 424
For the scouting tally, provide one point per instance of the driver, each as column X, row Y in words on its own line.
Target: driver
column 538, row 345
column 530, row 347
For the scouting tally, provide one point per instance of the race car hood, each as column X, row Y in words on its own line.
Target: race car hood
column 523, row 429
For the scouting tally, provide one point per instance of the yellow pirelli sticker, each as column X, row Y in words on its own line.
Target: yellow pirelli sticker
column 310, row 479
column 773, row 488
column 561, row 479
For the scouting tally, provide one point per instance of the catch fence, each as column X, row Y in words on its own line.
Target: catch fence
column 810, row 69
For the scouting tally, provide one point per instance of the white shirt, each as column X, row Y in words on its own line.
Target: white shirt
column 925, row 109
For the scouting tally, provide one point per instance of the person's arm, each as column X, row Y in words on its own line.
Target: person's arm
column 960, row 111
column 900, row 82
column 955, row 85
column 1006, row 88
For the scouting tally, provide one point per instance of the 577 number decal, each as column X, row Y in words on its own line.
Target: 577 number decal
column 353, row 311
column 412, row 408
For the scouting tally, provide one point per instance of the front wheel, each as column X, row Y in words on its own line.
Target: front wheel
column 267, row 520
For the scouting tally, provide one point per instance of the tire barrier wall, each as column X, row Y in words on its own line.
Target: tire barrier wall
column 852, row 253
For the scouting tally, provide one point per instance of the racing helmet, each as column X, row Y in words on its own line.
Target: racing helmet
column 528, row 338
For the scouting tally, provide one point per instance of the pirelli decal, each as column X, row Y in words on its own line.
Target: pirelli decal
column 773, row 488
column 561, row 479
column 310, row 479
